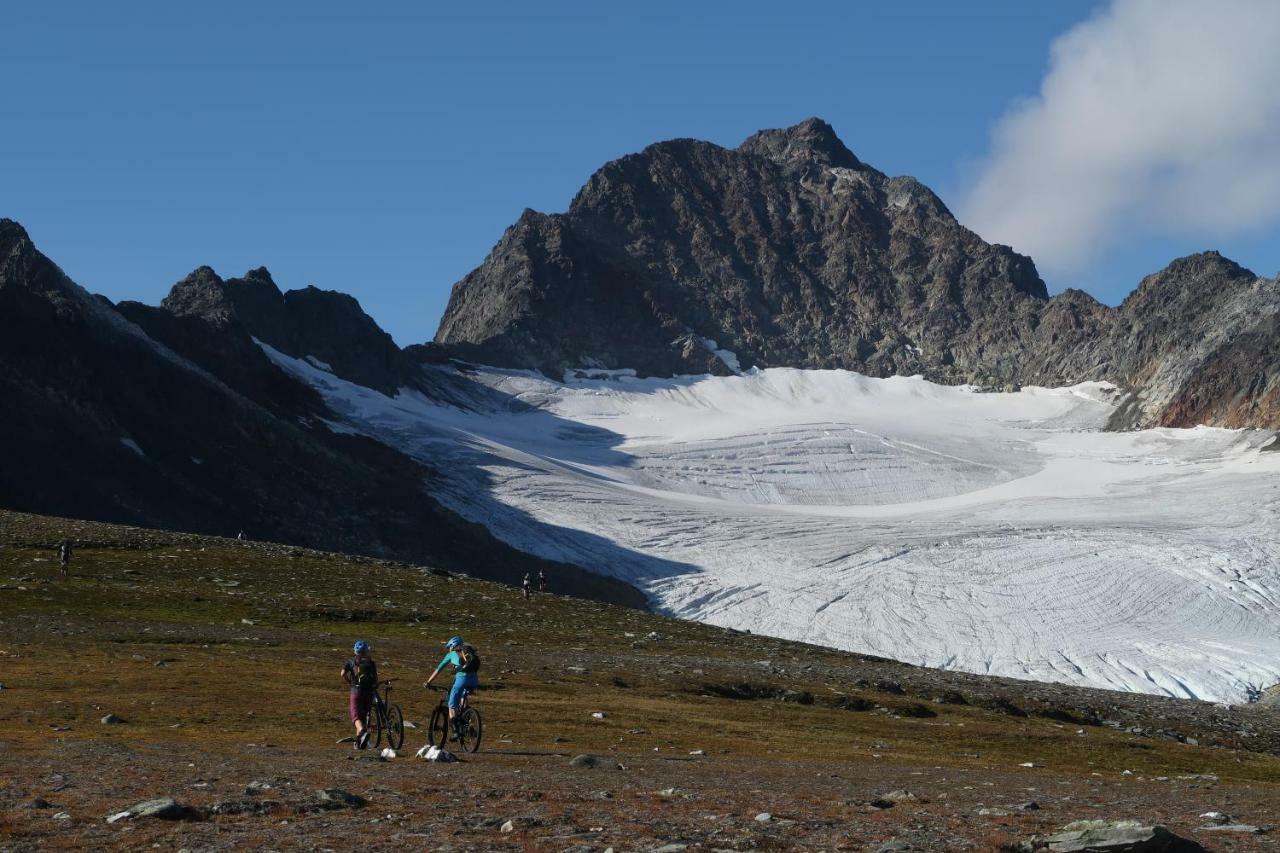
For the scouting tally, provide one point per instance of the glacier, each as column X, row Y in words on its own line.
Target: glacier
column 999, row 533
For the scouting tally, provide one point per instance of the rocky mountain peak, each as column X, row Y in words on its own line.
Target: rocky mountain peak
column 787, row 251
column 810, row 141
column 12, row 235
column 202, row 293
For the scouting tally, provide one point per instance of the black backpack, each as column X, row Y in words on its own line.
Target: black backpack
column 366, row 674
column 470, row 659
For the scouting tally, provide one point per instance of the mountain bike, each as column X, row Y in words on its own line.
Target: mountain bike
column 385, row 719
column 468, row 727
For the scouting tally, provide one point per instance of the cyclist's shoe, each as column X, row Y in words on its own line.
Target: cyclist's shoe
column 362, row 742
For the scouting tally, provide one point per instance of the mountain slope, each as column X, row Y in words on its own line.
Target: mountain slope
column 788, row 251
column 151, row 417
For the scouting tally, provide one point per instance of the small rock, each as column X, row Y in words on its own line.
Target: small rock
column 410, row 725
column 112, row 720
column 764, row 817
column 1029, row 806
column 507, row 827
column 592, row 762
column 256, row 788
column 62, row 816
column 994, row 812
column 900, row 796
column 881, row 803
column 244, row 807
column 39, row 803
column 670, row 848
column 697, row 752
column 599, row 715
column 119, row 816
column 336, row 798
column 1239, row 828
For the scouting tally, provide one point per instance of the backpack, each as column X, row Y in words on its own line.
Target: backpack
column 366, row 674
column 470, row 659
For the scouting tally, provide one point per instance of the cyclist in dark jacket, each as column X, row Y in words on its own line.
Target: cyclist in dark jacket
column 64, row 557
column 361, row 675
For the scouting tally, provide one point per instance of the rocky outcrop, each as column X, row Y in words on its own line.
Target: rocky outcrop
column 325, row 325
column 1199, row 342
column 790, row 251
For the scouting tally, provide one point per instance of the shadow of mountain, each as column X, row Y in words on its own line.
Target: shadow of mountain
column 466, row 431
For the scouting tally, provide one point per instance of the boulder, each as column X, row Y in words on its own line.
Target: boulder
column 1101, row 836
column 164, row 808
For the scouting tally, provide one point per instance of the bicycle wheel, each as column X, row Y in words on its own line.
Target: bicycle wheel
column 377, row 719
column 395, row 726
column 470, row 731
column 438, row 731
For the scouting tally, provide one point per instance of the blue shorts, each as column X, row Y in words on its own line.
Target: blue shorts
column 462, row 685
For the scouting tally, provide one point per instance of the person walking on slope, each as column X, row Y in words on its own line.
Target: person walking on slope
column 466, row 673
column 361, row 675
column 542, row 580
column 64, row 557
column 527, row 586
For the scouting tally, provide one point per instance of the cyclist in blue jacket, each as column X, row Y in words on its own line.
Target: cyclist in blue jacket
column 466, row 667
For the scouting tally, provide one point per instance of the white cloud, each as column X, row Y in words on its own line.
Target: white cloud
column 1155, row 117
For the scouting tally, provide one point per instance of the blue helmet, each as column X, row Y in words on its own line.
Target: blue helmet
column 453, row 642
column 360, row 646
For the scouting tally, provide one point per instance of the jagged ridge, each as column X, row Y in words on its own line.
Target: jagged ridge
column 790, row 251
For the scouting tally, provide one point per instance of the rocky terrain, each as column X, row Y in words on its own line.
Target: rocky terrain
column 182, row 691
column 789, row 251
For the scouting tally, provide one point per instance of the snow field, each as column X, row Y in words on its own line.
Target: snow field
column 996, row 533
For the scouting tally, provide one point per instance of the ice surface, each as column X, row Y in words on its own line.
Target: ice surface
column 994, row 533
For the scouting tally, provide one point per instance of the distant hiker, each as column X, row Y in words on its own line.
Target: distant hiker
column 361, row 675
column 466, row 668
column 64, row 557
column 240, row 536
column 542, row 580
column 527, row 586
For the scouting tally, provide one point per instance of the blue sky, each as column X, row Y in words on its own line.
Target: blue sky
column 383, row 152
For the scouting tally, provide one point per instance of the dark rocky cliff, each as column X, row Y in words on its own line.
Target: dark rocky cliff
column 176, row 419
